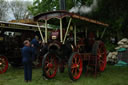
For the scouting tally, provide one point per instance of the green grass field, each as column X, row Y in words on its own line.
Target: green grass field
column 111, row 76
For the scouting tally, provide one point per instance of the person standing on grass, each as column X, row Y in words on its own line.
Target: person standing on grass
column 27, row 53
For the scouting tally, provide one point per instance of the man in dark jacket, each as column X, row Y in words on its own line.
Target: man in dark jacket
column 27, row 53
column 35, row 44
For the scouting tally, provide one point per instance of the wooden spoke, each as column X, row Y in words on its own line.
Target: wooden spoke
column 75, row 60
column 72, row 70
column 78, row 61
column 76, row 72
column 101, row 61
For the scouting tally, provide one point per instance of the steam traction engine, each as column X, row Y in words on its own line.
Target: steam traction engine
column 69, row 48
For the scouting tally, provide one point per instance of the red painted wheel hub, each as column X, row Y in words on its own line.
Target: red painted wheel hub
column 102, row 57
column 76, row 67
column 3, row 64
column 50, row 66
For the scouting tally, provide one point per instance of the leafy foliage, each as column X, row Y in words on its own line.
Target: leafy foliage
column 40, row 6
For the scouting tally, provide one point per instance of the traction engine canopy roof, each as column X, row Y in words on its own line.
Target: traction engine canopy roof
column 61, row 14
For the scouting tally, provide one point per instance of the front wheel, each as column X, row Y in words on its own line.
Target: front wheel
column 49, row 65
column 75, row 66
column 3, row 64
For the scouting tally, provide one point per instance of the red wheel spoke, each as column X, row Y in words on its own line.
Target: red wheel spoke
column 47, row 59
column 53, row 68
column 102, row 53
column 101, row 61
column 72, row 70
column 52, row 60
column 78, row 61
column 48, row 71
column 75, row 60
column 73, row 66
column 76, row 72
column 46, row 66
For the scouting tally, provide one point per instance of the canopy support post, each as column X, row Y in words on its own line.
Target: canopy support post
column 97, row 33
column 40, row 32
column 61, row 33
column 103, row 33
column 46, row 31
column 67, row 30
column 75, row 35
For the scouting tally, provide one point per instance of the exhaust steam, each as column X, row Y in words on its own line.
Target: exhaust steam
column 84, row 9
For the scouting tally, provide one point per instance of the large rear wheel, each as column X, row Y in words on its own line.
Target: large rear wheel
column 75, row 66
column 3, row 64
column 49, row 65
column 99, row 51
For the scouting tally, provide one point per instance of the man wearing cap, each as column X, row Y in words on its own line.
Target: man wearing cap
column 27, row 53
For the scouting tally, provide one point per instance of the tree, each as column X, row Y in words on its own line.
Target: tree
column 114, row 12
column 20, row 9
column 40, row 6
column 3, row 9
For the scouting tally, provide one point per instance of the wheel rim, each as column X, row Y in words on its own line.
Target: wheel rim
column 50, row 66
column 102, row 57
column 76, row 67
column 3, row 64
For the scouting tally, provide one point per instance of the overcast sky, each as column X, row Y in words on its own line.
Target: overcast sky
column 10, row 16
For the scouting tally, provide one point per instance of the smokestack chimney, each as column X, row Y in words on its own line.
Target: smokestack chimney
column 62, row 4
